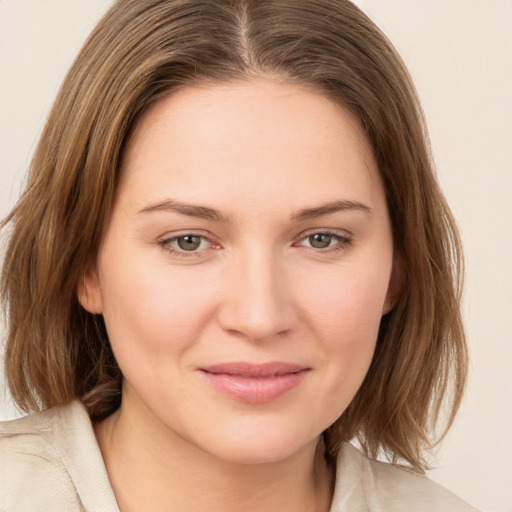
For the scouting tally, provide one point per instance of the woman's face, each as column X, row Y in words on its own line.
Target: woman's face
column 245, row 269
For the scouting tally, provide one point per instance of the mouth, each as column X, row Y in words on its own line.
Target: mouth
column 254, row 383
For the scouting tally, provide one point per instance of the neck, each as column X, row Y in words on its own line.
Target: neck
column 151, row 468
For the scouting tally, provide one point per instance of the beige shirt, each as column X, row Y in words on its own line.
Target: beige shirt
column 51, row 461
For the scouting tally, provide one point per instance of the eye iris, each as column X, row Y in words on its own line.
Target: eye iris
column 320, row 240
column 189, row 242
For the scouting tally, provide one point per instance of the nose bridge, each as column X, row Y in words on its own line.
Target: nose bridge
column 257, row 303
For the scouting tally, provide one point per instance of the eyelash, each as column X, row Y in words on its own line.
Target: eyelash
column 343, row 243
column 166, row 245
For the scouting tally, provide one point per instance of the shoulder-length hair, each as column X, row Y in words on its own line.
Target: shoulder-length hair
column 141, row 51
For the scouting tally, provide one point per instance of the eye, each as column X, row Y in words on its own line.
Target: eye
column 187, row 244
column 321, row 240
column 325, row 240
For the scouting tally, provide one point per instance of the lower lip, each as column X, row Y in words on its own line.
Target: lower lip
column 255, row 390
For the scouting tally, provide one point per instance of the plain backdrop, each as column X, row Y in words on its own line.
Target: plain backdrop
column 459, row 53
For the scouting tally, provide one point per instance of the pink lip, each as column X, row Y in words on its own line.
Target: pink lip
column 255, row 383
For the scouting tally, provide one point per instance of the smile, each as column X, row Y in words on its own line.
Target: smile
column 254, row 383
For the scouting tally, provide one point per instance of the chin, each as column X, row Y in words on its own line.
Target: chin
column 266, row 446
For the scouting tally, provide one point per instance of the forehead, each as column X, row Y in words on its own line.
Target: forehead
column 247, row 139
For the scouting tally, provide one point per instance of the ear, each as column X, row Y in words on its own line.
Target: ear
column 89, row 291
column 396, row 282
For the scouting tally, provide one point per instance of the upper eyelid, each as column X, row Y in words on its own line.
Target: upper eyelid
column 191, row 232
column 166, row 242
column 342, row 233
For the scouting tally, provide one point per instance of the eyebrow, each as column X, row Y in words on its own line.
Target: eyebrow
column 330, row 208
column 204, row 212
column 191, row 210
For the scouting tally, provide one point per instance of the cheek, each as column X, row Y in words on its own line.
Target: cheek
column 346, row 316
column 348, row 306
column 150, row 312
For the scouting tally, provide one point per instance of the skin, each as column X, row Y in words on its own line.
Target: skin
column 267, row 157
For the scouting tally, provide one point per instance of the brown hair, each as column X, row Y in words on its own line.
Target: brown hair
column 141, row 51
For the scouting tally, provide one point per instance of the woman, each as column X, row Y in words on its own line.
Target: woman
column 232, row 257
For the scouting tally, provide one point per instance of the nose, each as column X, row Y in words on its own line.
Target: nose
column 257, row 302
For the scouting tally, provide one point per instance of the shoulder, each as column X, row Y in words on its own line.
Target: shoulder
column 368, row 485
column 47, row 462
column 32, row 473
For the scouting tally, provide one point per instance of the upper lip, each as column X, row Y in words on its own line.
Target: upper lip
column 243, row 369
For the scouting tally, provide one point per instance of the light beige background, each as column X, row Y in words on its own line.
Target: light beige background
column 460, row 55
